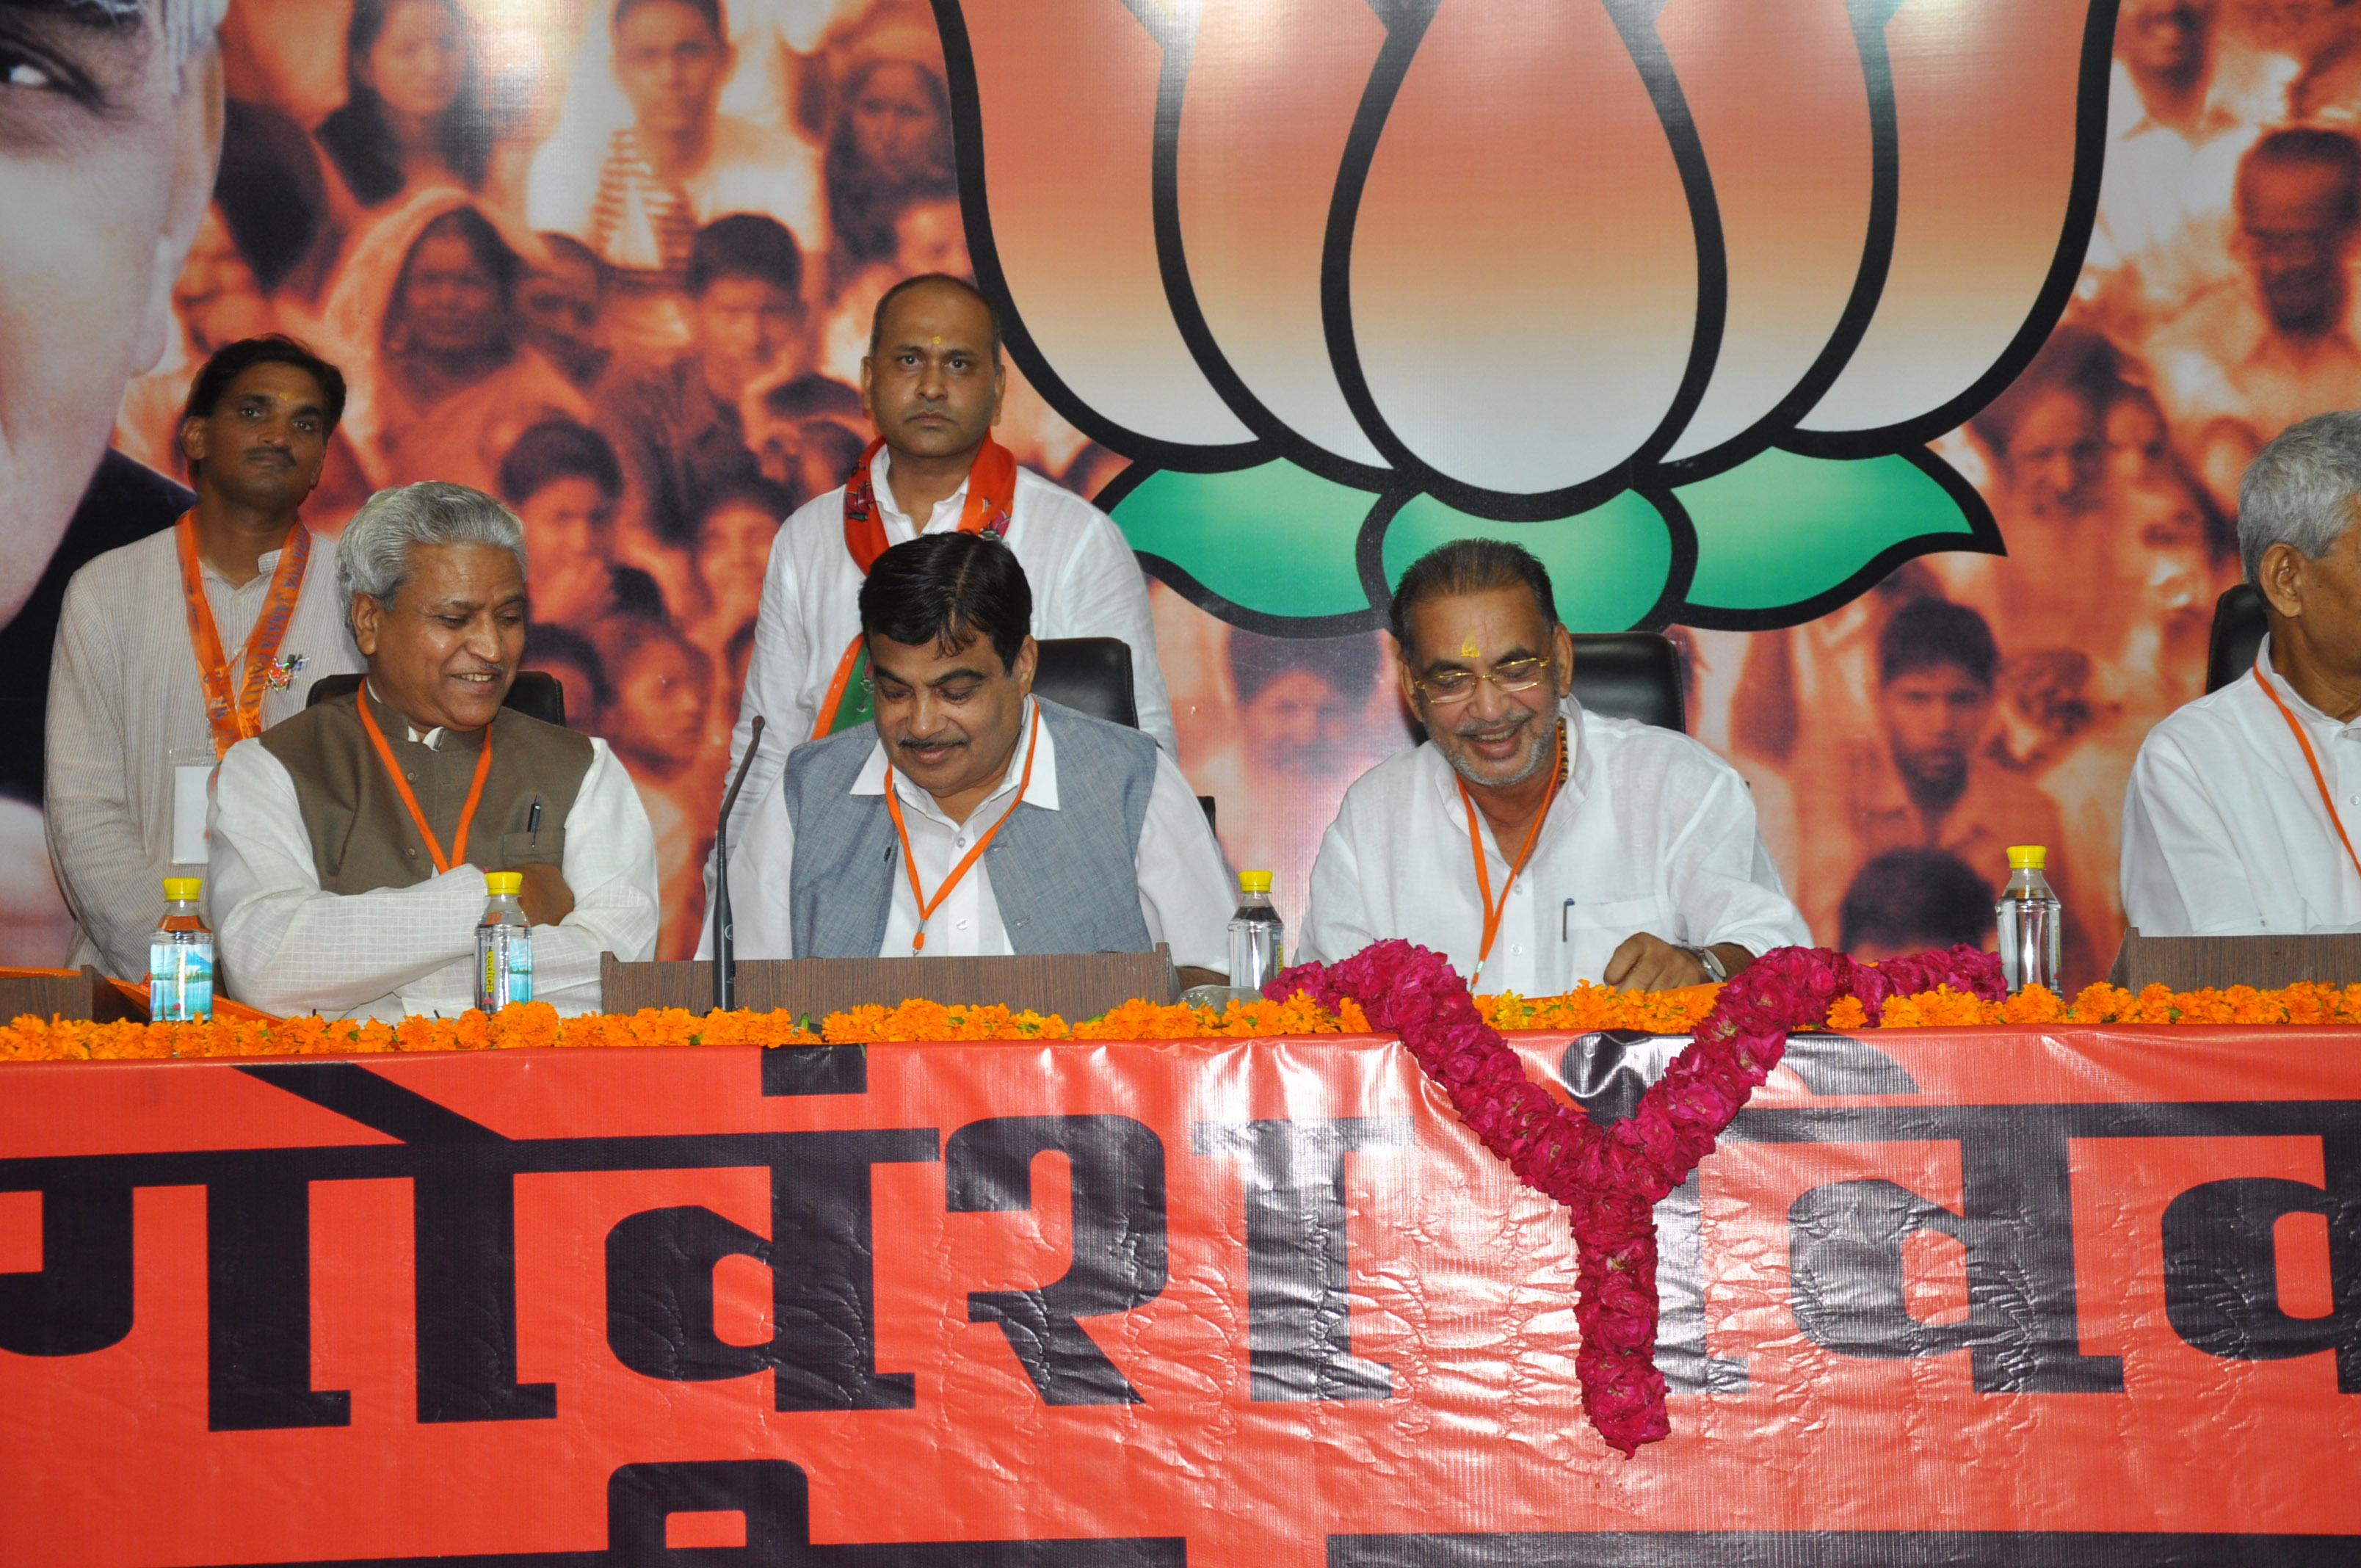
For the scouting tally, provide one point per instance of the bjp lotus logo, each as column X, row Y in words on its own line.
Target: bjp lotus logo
column 1674, row 291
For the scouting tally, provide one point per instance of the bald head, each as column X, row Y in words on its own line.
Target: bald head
column 929, row 281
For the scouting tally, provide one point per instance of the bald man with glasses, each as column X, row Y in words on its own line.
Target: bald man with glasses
column 1530, row 843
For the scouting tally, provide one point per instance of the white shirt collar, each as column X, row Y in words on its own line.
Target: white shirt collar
column 951, row 505
column 265, row 565
column 1041, row 790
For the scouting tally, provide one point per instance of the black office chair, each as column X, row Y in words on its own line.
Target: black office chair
column 1631, row 674
column 1089, row 674
column 537, row 694
column 2238, row 627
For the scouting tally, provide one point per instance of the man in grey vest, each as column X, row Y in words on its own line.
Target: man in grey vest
column 969, row 817
column 349, row 843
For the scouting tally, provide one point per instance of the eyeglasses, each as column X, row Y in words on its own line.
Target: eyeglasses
column 1448, row 689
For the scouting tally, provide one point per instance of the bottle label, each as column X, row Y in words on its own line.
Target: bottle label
column 180, row 982
column 503, row 967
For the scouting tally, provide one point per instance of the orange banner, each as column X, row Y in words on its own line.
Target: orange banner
column 1957, row 1297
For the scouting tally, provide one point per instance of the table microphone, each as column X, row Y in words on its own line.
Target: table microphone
column 725, row 935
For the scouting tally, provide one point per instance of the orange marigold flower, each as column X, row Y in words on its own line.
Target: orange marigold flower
column 1847, row 1013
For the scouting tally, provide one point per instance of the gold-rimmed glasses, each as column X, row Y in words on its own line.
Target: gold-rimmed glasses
column 1449, row 688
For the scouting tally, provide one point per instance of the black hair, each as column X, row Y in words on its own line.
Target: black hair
column 1930, row 631
column 2298, row 144
column 491, row 252
column 358, row 136
column 2077, row 361
column 563, row 247
column 544, row 642
column 709, row 9
column 948, row 590
column 268, row 192
column 558, row 449
column 1470, row 567
column 233, row 360
column 1916, row 898
column 746, row 244
column 749, row 490
column 878, row 317
column 863, row 201
column 1349, row 665
column 812, row 397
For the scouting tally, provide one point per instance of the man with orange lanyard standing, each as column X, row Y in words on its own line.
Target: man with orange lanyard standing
column 2244, row 809
column 1532, row 843
column 173, row 650
column 932, row 383
column 349, row 845
column 969, row 817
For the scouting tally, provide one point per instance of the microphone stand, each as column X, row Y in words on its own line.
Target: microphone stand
column 725, row 935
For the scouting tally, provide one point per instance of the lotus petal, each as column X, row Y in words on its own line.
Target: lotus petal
column 1608, row 565
column 1523, row 295
column 1225, row 531
column 1065, row 92
column 1987, row 94
column 1783, row 110
column 1273, row 88
column 1781, row 531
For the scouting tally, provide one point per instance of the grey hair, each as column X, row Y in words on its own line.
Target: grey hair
column 2299, row 490
column 373, row 556
column 188, row 25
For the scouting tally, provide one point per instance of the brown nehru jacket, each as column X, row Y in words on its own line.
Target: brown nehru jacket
column 362, row 835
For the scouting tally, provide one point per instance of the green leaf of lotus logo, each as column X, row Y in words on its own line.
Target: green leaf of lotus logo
column 1674, row 293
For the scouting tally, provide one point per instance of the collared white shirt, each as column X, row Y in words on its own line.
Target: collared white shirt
column 2223, row 829
column 126, row 700
column 1085, row 581
column 1185, row 893
column 1652, row 832
column 287, row 947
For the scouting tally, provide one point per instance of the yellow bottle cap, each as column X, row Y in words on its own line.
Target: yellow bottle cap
column 1253, row 881
column 182, row 889
column 2026, row 857
column 504, row 884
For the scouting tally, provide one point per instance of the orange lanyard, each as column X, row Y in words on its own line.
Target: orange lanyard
column 2319, row 780
column 927, row 906
column 239, row 717
column 1493, row 912
column 991, row 497
column 402, row 782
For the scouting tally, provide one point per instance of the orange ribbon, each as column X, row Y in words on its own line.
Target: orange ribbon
column 2319, row 780
column 402, row 782
column 991, row 496
column 238, row 716
column 1492, row 912
column 927, row 906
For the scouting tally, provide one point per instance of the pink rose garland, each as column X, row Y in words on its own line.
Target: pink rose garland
column 1612, row 1181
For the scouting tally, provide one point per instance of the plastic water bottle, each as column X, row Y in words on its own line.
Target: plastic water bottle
column 181, row 958
column 2032, row 923
column 503, row 945
column 1256, row 933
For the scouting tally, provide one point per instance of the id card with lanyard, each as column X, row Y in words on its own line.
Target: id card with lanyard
column 233, row 713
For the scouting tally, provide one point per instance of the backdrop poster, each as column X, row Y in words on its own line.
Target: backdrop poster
column 1899, row 358
column 1966, row 1297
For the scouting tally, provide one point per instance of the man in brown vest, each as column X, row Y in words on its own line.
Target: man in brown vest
column 349, row 843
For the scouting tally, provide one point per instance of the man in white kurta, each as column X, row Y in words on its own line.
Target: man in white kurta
column 131, row 739
column 349, row 845
column 934, row 388
column 2227, row 828
column 1644, row 868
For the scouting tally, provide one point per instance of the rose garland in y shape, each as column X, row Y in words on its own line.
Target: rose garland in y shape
column 1612, row 1181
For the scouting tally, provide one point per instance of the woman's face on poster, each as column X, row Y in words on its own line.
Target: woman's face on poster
column 895, row 122
column 449, row 302
column 418, row 62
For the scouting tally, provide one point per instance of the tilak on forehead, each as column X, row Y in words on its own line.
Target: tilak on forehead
column 1467, row 649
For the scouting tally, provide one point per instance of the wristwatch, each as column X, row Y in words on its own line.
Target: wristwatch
column 1715, row 972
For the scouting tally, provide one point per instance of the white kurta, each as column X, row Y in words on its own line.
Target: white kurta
column 1653, row 832
column 1085, row 581
column 287, row 947
column 124, row 696
column 1185, row 893
column 2224, row 833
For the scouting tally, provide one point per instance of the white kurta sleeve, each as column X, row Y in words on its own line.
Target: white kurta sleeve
column 610, row 868
column 1185, row 891
column 1337, row 922
column 2180, row 874
column 96, row 843
column 284, row 945
column 776, row 675
column 759, row 882
column 1724, row 884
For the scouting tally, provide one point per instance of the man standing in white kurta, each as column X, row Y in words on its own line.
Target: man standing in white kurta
column 932, row 382
column 2245, row 807
column 1530, row 843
